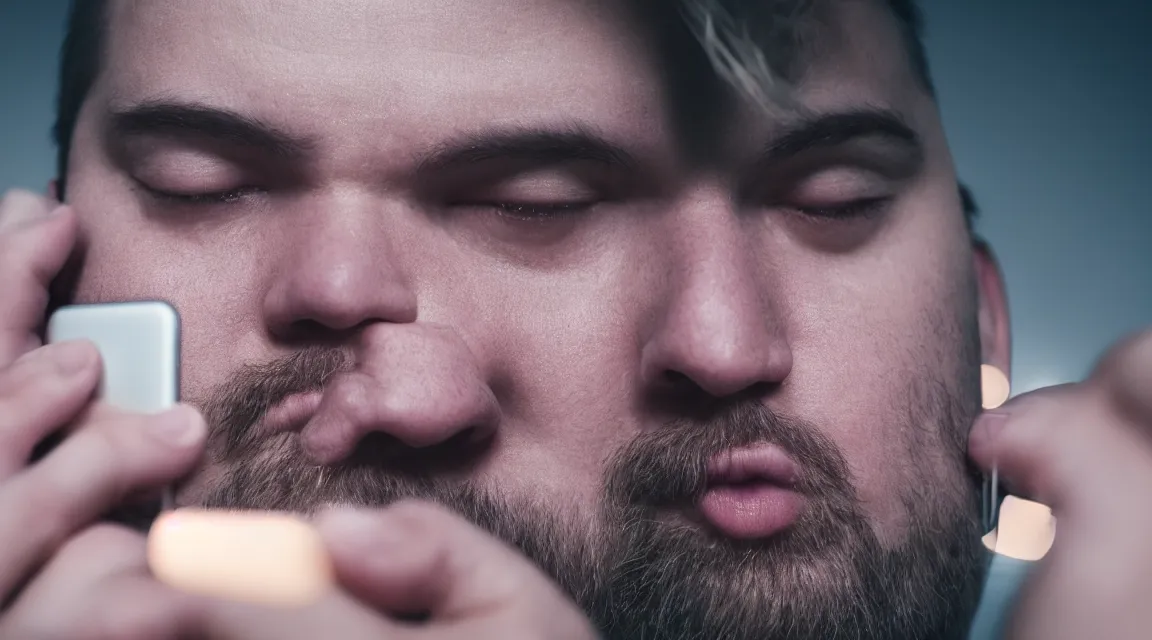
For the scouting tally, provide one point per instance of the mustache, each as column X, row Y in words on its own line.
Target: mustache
column 662, row 468
column 667, row 468
column 235, row 406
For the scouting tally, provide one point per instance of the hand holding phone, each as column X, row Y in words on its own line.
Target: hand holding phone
column 58, row 562
column 267, row 558
column 139, row 346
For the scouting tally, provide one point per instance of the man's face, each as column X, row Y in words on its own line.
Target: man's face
column 462, row 250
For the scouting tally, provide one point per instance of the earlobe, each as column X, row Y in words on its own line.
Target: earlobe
column 993, row 317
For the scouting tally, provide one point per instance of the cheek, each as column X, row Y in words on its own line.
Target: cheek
column 871, row 358
column 563, row 356
column 212, row 285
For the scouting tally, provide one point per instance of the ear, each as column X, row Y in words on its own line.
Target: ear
column 54, row 190
column 995, row 329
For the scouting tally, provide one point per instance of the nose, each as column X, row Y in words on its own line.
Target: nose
column 339, row 270
column 417, row 384
column 343, row 279
column 718, row 331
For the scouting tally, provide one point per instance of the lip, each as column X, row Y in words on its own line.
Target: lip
column 751, row 492
column 292, row 413
column 767, row 463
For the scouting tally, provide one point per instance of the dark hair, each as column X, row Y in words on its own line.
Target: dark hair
column 910, row 19
column 968, row 203
column 80, row 59
column 82, row 52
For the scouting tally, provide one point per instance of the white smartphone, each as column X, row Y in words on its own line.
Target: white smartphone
column 139, row 345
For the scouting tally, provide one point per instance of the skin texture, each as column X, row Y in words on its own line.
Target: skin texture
column 557, row 372
column 547, row 345
column 569, row 321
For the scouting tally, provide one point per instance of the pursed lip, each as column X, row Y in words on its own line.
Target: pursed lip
column 751, row 493
column 765, row 463
column 291, row 413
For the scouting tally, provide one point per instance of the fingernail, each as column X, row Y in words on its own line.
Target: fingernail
column 180, row 427
column 72, row 357
column 988, row 427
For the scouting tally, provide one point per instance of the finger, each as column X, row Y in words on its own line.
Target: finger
column 31, row 254
column 1066, row 448
column 98, row 586
column 1126, row 371
column 41, row 392
column 86, row 476
column 416, row 558
column 335, row 616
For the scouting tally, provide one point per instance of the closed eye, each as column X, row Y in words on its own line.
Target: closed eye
column 538, row 210
column 859, row 208
column 199, row 198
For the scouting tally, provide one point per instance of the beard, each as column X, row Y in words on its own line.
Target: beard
column 650, row 567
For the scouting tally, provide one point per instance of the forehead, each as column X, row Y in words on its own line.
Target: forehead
column 372, row 77
column 369, row 61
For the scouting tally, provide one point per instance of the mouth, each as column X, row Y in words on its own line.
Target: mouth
column 291, row 413
column 751, row 492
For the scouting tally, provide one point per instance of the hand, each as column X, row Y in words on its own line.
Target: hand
column 413, row 559
column 1085, row 450
column 50, row 545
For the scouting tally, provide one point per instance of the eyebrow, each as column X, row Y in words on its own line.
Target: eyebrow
column 836, row 129
column 533, row 146
column 200, row 121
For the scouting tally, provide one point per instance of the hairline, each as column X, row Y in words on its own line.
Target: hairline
column 84, row 50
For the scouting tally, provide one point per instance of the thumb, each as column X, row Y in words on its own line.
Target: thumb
column 1063, row 447
column 417, row 559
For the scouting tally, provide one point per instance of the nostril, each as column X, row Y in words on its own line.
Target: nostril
column 677, row 380
column 454, row 455
column 474, row 435
column 316, row 333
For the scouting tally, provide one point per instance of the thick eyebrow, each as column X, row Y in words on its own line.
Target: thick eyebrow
column 836, row 129
column 199, row 121
column 530, row 146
